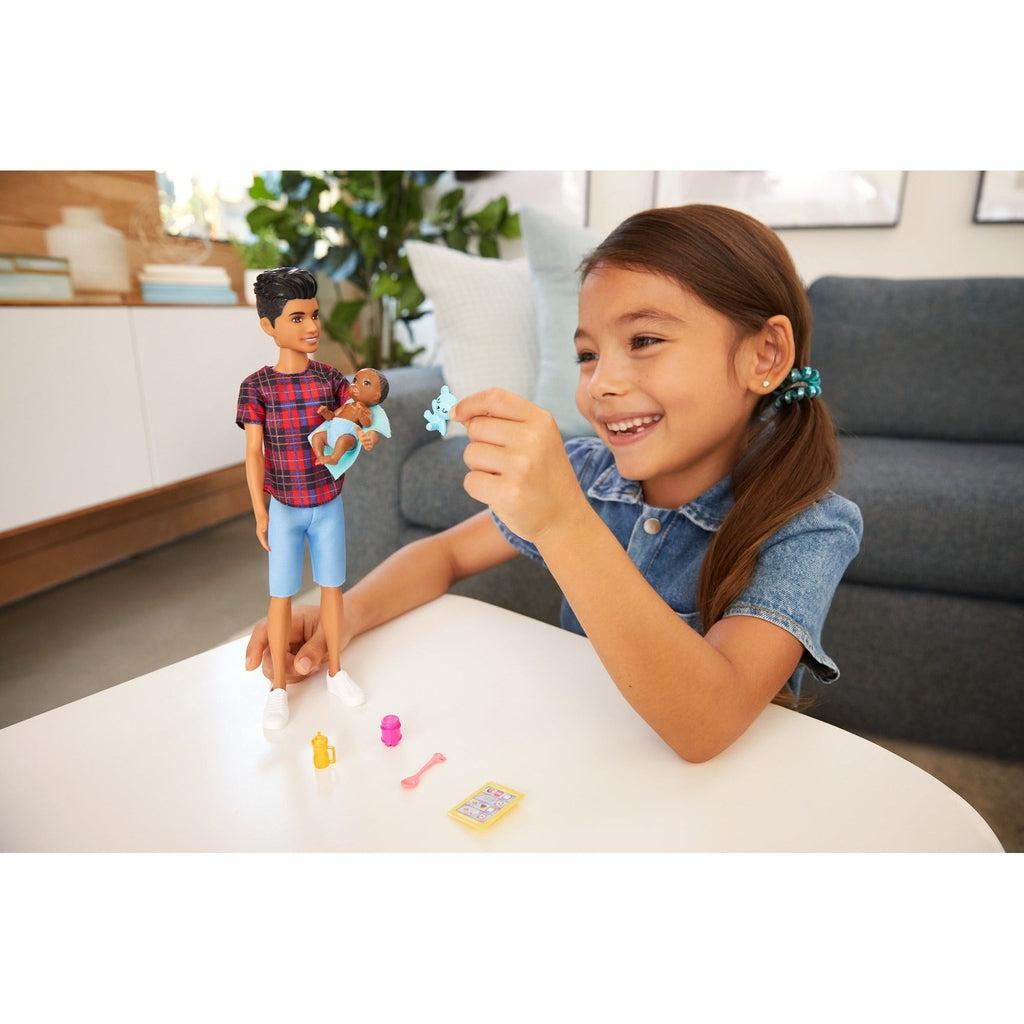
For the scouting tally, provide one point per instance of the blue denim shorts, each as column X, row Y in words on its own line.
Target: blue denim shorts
column 324, row 527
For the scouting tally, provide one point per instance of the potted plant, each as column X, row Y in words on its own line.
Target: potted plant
column 263, row 253
column 352, row 226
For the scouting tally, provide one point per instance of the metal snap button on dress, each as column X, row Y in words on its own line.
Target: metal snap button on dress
column 652, row 526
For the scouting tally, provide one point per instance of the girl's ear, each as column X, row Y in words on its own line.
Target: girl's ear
column 773, row 356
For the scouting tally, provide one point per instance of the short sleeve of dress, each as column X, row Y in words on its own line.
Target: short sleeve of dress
column 798, row 570
column 251, row 407
column 580, row 451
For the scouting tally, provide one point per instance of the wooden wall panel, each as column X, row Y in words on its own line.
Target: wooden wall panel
column 30, row 202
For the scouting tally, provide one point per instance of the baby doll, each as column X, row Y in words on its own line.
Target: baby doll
column 339, row 440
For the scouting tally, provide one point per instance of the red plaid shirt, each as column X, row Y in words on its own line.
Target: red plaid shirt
column 285, row 406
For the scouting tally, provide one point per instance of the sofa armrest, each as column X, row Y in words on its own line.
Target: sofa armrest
column 373, row 520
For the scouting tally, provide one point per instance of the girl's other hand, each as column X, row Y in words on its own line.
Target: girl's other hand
column 517, row 462
column 307, row 647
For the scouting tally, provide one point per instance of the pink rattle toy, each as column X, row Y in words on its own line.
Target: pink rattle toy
column 390, row 730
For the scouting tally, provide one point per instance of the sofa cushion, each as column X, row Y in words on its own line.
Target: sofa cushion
column 430, row 491
column 938, row 515
column 921, row 359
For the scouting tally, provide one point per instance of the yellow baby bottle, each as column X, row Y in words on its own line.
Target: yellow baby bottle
column 321, row 758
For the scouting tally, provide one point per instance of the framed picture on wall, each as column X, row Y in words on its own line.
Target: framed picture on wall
column 792, row 199
column 1000, row 198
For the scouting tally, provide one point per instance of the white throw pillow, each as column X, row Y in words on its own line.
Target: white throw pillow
column 484, row 311
column 554, row 250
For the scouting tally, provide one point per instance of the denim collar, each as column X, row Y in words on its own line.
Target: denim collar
column 707, row 510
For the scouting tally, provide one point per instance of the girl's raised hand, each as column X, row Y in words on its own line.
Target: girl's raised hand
column 517, row 462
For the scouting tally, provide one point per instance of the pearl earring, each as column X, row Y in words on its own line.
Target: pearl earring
column 765, row 384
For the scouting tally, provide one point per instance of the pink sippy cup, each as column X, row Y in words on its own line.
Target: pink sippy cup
column 390, row 730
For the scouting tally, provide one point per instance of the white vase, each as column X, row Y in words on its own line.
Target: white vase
column 98, row 253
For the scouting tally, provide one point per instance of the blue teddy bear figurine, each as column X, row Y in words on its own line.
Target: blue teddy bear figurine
column 437, row 415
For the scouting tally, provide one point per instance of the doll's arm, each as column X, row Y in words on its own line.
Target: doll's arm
column 380, row 427
column 255, row 472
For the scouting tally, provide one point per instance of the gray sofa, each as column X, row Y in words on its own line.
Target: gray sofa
column 928, row 625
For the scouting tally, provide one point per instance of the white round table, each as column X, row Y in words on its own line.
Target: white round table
column 178, row 760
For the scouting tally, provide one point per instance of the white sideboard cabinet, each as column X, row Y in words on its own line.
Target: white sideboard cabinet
column 100, row 403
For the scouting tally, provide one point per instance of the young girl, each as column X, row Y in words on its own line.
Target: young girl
column 695, row 539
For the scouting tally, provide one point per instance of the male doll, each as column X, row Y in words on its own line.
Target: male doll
column 277, row 407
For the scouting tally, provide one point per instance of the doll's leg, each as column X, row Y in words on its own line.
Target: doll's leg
column 332, row 617
column 319, row 443
column 286, row 537
column 279, row 625
column 327, row 551
column 345, row 443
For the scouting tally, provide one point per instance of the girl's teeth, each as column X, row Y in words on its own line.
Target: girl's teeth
column 626, row 425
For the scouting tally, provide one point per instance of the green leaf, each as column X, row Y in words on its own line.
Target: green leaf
column 260, row 218
column 259, row 190
column 402, row 356
column 457, row 239
column 510, row 227
column 384, row 285
column 489, row 247
column 491, row 215
column 292, row 181
column 446, row 206
column 409, row 299
column 345, row 314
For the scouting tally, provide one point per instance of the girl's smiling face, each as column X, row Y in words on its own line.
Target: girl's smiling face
column 650, row 350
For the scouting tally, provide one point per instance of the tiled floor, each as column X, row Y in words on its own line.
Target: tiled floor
column 172, row 603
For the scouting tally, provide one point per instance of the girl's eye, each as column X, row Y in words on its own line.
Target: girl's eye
column 640, row 341
column 647, row 341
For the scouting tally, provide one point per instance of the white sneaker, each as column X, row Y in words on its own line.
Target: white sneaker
column 344, row 687
column 275, row 714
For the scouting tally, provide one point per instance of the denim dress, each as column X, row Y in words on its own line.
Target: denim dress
column 795, row 577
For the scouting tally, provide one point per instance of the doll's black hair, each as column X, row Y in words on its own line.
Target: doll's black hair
column 276, row 288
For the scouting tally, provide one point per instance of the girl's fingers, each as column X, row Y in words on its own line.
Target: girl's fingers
column 257, row 645
column 492, row 402
column 485, row 458
column 310, row 656
column 490, row 430
column 482, row 486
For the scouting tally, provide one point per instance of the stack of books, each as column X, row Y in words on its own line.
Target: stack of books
column 34, row 279
column 176, row 283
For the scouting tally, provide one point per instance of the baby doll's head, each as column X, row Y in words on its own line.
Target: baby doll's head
column 368, row 386
column 288, row 309
column 684, row 314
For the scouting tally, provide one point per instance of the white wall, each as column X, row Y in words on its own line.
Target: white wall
column 935, row 237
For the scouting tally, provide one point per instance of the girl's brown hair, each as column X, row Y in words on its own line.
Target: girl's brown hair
column 739, row 267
